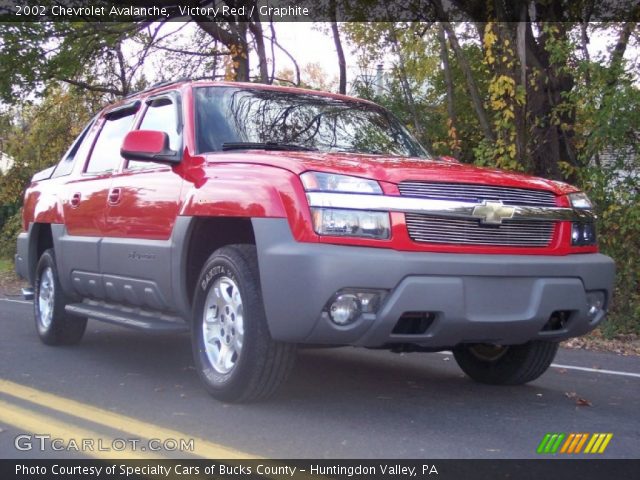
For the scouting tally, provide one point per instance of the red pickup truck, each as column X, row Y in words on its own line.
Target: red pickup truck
column 261, row 218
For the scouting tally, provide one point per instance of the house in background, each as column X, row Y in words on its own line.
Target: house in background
column 6, row 162
column 376, row 81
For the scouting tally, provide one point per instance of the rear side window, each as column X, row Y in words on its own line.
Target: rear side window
column 79, row 148
column 105, row 156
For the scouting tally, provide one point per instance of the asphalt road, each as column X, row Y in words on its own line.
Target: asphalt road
column 339, row 403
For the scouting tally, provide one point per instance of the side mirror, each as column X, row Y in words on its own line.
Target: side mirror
column 148, row 145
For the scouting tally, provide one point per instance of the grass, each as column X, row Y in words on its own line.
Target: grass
column 10, row 284
column 6, row 265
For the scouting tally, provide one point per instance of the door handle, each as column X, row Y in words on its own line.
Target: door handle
column 75, row 199
column 114, row 195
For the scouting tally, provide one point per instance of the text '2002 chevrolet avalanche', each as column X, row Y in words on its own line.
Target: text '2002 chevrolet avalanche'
column 261, row 218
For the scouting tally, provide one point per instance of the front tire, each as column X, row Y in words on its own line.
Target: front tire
column 505, row 365
column 53, row 324
column 235, row 356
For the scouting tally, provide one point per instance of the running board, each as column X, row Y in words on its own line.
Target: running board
column 136, row 318
column 28, row 293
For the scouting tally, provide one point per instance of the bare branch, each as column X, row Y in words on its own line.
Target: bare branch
column 291, row 57
column 191, row 52
column 93, row 88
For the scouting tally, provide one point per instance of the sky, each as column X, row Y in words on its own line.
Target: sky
column 308, row 44
column 305, row 41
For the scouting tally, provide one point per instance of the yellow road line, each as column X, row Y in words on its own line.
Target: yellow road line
column 130, row 425
column 41, row 424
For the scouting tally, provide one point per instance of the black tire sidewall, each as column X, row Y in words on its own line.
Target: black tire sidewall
column 49, row 335
column 520, row 364
column 228, row 262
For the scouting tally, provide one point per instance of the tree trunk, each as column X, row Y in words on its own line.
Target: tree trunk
column 235, row 39
column 471, row 83
column 258, row 36
column 241, row 57
column 451, row 111
column 342, row 64
column 584, row 42
column 402, row 77
column 550, row 142
column 618, row 51
column 122, row 71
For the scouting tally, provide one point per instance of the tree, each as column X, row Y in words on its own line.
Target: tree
column 532, row 63
column 38, row 135
column 92, row 55
column 410, row 50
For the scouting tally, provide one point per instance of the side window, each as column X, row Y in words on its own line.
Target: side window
column 79, row 148
column 161, row 115
column 106, row 152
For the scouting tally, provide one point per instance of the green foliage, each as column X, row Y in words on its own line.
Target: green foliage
column 9, row 235
column 6, row 265
column 616, row 193
column 35, row 53
column 608, row 127
column 421, row 60
column 39, row 135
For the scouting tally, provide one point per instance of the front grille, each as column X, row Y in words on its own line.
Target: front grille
column 512, row 233
column 477, row 193
column 457, row 231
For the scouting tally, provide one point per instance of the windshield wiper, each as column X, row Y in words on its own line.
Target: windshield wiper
column 265, row 146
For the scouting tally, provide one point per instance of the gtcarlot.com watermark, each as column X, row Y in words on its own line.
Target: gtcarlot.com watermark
column 44, row 443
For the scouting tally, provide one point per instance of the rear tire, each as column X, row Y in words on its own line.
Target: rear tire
column 505, row 365
column 235, row 356
column 53, row 324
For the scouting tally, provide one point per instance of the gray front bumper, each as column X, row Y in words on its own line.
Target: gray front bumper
column 21, row 258
column 504, row 299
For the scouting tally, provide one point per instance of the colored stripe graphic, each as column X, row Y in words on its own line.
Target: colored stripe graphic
column 573, row 443
column 577, row 443
column 581, row 443
column 543, row 443
column 566, row 445
column 556, row 445
column 598, row 442
column 550, row 443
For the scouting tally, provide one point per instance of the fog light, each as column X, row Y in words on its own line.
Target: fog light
column 345, row 309
column 595, row 303
column 349, row 303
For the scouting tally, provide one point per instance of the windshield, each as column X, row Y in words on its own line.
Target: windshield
column 230, row 115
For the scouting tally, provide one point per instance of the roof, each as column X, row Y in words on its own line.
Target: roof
column 171, row 85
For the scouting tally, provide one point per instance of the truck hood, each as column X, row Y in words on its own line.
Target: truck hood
column 391, row 169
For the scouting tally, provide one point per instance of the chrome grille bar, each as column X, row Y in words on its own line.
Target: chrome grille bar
column 477, row 193
column 440, row 208
column 429, row 229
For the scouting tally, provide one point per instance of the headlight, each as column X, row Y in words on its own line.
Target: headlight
column 343, row 222
column 582, row 233
column 351, row 223
column 329, row 182
column 580, row 200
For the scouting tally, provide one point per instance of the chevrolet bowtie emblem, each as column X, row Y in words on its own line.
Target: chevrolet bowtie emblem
column 492, row 213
